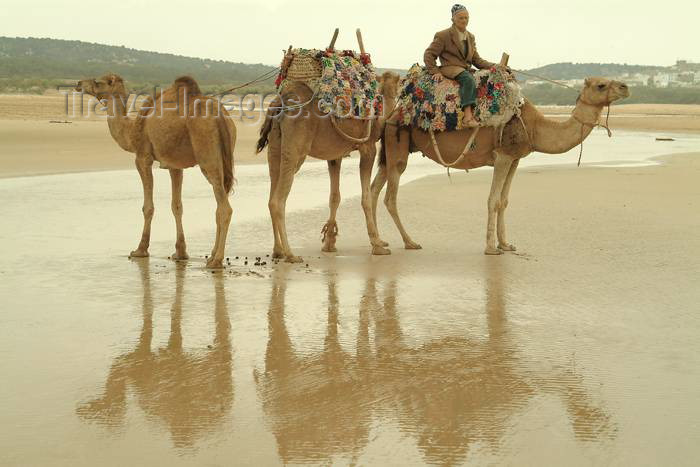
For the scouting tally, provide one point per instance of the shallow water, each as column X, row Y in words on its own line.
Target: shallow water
column 351, row 360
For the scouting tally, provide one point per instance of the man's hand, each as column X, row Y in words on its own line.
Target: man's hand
column 438, row 76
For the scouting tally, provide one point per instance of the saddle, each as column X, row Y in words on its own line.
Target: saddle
column 435, row 105
column 344, row 82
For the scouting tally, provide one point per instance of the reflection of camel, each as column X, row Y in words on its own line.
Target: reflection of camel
column 543, row 135
column 190, row 392
column 298, row 133
column 317, row 404
column 449, row 393
column 181, row 129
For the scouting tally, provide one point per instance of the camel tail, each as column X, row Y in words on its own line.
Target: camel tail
column 227, row 142
column 382, row 150
column 264, row 133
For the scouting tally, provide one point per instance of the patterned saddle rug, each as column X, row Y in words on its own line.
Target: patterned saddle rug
column 427, row 104
column 344, row 82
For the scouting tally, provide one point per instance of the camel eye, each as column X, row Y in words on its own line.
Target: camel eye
column 601, row 86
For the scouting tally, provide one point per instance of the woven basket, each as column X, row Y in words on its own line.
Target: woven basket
column 304, row 67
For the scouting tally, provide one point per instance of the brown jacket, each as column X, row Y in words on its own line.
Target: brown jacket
column 447, row 45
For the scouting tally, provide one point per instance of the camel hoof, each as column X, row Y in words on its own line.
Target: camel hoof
column 294, row 259
column 380, row 250
column 138, row 254
column 492, row 251
column 277, row 255
column 382, row 243
column 412, row 246
column 215, row 264
column 329, row 249
column 179, row 256
column 506, row 247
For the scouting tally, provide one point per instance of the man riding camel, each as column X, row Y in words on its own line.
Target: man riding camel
column 456, row 48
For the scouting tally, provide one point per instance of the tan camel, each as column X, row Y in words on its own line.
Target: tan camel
column 179, row 137
column 543, row 135
column 296, row 133
column 449, row 393
column 190, row 392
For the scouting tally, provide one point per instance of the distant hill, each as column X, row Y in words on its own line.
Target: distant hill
column 568, row 70
column 33, row 65
column 31, row 58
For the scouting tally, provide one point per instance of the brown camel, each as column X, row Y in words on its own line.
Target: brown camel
column 178, row 137
column 189, row 392
column 296, row 133
column 535, row 133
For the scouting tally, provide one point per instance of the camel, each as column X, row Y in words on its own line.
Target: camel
column 291, row 135
column 178, row 137
column 191, row 393
column 448, row 393
column 534, row 133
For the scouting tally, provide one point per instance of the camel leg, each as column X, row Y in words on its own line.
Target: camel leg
column 396, row 159
column 367, row 156
column 501, row 222
column 213, row 171
column 330, row 230
column 376, row 188
column 274, row 156
column 501, row 168
column 278, row 203
column 223, row 220
column 176, row 205
column 144, row 166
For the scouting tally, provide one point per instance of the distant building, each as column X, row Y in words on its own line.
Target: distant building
column 685, row 65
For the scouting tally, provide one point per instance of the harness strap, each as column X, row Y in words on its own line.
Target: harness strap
column 351, row 138
column 461, row 156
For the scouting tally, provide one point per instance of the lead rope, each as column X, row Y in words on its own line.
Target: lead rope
column 594, row 125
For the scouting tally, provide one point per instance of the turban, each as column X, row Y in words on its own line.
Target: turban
column 456, row 8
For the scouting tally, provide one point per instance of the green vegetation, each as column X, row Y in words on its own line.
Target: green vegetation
column 33, row 65
column 549, row 94
column 568, row 70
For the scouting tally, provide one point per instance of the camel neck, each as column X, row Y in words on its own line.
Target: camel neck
column 120, row 125
column 554, row 137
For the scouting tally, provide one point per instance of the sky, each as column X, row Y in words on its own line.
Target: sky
column 533, row 32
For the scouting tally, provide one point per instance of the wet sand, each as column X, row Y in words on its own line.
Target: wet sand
column 579, row 349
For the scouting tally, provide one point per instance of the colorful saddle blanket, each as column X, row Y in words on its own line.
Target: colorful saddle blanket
column 425, row 103
column 346, row 84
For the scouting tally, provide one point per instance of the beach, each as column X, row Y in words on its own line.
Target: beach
column 579, row 348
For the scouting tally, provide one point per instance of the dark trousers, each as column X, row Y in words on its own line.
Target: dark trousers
column 467, row 88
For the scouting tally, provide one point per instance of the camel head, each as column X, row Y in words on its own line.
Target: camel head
column 389, row 84
column 602, row 91
column 109, row 85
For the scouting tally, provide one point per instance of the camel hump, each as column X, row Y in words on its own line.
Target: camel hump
column 188, row 83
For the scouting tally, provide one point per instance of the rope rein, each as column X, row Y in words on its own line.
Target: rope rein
column 593, row 125
column 558, row 83
column 263, row 77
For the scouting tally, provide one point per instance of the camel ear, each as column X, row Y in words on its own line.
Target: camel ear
column 587, row 82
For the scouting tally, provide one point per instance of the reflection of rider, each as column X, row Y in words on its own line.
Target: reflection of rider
column 456, row 48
